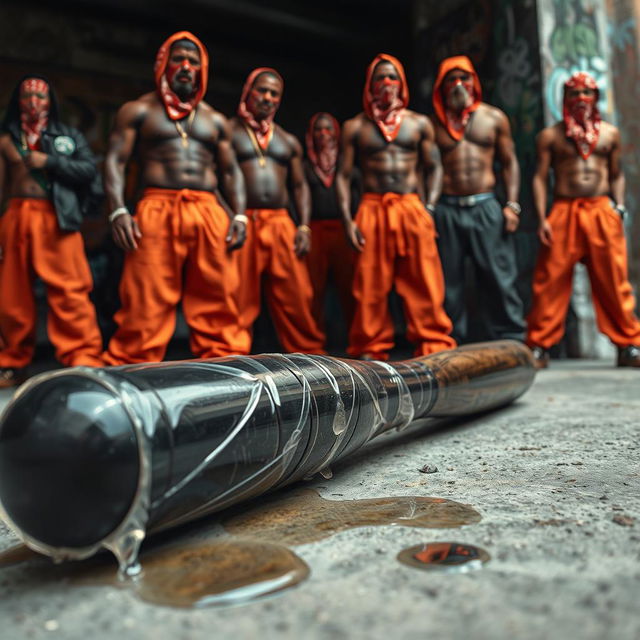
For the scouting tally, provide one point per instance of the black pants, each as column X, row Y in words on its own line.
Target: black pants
column 476, row 229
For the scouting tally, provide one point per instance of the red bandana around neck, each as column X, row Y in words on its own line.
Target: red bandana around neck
column 583, row 128
column 388, row 117
column 323, row 153
column 455, row 122
column 175, row 108
column 262, row 129
column 34, row 111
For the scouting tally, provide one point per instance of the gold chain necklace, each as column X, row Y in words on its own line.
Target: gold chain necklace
column 185, row 134
column 256, row 145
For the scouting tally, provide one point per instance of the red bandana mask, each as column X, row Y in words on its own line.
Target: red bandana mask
column 455, row 120
column 581, row 115
column 385, row 100
column 165, row 71
column 322, row 148
column 34, row 110
column 249, row 100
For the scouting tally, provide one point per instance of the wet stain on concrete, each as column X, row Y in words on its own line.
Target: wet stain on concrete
column 251, row 559
column 304, row 516
column 221, row 573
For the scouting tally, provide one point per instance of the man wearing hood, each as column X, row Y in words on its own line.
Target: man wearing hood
column 330, row 252
column 585, row 224
column 178, row 245
column 269, row 158
column 46, row 169
column 393, row 233
column 471, row 135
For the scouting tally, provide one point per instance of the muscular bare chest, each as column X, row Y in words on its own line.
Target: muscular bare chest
column 371, row 142
column 278, row 150
column 159, row 130
column 564, row 150
column 480, row 134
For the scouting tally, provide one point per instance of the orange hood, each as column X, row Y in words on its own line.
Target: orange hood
column 176, row 109
column 449, row 64
column 390, row 131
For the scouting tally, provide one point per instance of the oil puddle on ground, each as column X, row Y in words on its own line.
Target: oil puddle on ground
column 447, row 557
column 303, row 516
column 252, row 558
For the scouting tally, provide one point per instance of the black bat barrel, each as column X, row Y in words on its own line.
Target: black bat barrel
column 93, row 458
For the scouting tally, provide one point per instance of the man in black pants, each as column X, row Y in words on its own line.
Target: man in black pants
column 469, row 219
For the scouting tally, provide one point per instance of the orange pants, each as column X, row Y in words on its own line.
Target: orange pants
column 269, row 248
column 400, row 249
column 330, row 251
column 31, row 244
column 589, row 230
column 182, row 256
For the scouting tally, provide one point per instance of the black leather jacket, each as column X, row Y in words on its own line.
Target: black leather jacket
column 70, row 171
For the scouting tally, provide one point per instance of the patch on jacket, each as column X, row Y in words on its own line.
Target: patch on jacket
column 64, row 145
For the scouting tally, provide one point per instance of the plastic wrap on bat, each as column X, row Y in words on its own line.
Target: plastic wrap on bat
column 93, row 458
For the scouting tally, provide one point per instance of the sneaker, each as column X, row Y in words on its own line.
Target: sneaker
column 540, row 357
column 629, row 356
column 8, row 378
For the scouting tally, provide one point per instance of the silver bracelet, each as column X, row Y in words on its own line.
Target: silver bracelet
column 431, row 208
column 240, row 217
column 515, row 207
column 622, row 210
column 116, row 213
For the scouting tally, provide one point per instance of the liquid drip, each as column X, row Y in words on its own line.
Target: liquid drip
column 303, row 516
column 448, row 557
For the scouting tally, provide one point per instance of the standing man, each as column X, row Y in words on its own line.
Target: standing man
column 392, row 232
column 177, row 243
column 45, row 166
column 470, row 222
column 270, row 157
column 583, row 226
column 330, row 251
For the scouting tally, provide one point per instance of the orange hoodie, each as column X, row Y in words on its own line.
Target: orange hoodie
column 390, row 122
column 176, row 109
column 449, row 64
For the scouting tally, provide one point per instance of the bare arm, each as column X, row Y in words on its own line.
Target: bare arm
column 302, row 199
column 616, row 175
column 540, row 180
column 506, row 153
column 430, row 158
column 232, row 183
column 343, row 182
column 121, row 142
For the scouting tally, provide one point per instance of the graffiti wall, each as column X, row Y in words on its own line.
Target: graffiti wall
column 625, row 72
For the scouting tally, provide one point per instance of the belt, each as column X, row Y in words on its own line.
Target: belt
column 466, row 201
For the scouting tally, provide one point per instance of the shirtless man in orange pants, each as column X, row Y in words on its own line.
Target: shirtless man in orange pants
column 178, row 242
column 582, row 226
column 393, row 233
column 275, row 248
column 45, row 166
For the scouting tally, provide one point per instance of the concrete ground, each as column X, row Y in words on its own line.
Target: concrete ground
column 556, row 478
